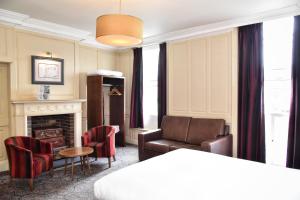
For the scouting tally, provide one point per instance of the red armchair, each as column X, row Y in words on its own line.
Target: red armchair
column 102, row 140
column 28, row 157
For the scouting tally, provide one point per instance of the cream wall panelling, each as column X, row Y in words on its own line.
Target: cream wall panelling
column 4, row 113
column 4, row 95
column 6, row 44
column 88, row 57
column 202, row 78
column 125, row 65
column 17, row 46
column 106, row 59
column 28, row 44
column 91, row 59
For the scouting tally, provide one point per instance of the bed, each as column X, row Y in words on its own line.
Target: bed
column 189, row 174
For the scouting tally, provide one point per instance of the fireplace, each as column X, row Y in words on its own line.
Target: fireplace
column 55, row 129
column 26, row 110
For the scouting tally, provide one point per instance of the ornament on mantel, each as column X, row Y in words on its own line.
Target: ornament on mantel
column 44, row 92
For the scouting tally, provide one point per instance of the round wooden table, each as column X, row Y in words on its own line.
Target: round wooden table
column 74, row 152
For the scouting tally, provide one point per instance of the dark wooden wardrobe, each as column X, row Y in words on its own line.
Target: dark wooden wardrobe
column 95, row 107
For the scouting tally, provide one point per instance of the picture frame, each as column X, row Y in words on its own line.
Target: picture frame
column 47, row 70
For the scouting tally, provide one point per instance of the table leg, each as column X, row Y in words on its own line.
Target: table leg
column 81, row 163
column 66, row 163
column 88, row 163
column 72, row 159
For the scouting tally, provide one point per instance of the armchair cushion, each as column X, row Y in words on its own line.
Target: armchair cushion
column 186, row 146
column 175, row 128
column 205, row 129
column 42, row 163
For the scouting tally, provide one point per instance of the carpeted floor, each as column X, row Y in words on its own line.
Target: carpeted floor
column 60, row 186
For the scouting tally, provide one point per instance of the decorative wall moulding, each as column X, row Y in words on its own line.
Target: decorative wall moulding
column 39, row 108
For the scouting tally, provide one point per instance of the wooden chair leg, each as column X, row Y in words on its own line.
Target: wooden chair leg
column 51, row 172
column 10, row 180
column 30, row 181
column 66, row 163
column 109, row 162
column 114, row 157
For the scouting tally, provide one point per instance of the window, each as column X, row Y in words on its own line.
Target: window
column 150, row 64
column 278, row 39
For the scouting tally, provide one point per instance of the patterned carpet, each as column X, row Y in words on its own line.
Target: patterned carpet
column 60, row 186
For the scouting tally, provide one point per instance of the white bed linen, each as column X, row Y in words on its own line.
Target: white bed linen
column 189, row 175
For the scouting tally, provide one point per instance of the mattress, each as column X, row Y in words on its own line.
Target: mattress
column 189, row 174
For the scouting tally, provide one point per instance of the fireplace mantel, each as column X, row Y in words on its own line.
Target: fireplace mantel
column 21, row 109
column 47, row 101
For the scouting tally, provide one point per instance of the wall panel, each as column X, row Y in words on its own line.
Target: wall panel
column 88, row 61
column 220, row 74
column 125, row 65
column 179, row 77
column 198, row 81
column 106, row 60
column 6, row 43
column 32, row 44
column 202, row 80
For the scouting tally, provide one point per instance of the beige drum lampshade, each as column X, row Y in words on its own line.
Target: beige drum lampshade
column 119, row 30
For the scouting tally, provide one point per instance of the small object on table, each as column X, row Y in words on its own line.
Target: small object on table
column 74, row 152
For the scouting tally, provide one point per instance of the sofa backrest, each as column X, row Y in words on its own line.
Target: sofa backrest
column 175, row 128
column 204, row 129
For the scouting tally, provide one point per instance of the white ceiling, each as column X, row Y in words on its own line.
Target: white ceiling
column 160, row 16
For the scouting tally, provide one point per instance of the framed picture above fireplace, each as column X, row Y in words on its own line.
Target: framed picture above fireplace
column 46, row 70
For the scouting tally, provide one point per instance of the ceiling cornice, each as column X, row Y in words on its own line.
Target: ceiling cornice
column 224, row 25
column 26, row 22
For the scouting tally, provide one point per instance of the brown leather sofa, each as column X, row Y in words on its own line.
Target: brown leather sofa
column 211, row 135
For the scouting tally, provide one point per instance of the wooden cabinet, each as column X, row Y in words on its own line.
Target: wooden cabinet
column 95, row 105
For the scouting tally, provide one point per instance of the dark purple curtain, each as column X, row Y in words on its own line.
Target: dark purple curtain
column 251, row 125
column 162, row 83
column 136, row 109
column 293, row 151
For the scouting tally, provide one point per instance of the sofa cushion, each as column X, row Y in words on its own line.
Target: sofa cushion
column 204, row 129
column 162, row 146
column 175, row 128
column 185, row 146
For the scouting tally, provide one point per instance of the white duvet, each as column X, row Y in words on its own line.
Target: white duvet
column 188, row 174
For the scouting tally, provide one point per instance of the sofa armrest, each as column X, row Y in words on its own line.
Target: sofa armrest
column 146, row 137
column 221, row 145
column 226, row 131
